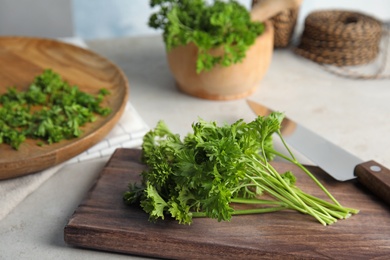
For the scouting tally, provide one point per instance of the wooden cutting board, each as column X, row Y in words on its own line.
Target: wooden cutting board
column 24, row 58
column 104, row 222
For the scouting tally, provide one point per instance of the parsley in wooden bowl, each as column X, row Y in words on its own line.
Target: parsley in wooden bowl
column 217, row 50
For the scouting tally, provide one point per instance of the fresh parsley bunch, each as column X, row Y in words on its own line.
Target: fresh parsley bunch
column 223, row 24
column 216, row 166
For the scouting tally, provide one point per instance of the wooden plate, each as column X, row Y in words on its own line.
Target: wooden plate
column 21, row 59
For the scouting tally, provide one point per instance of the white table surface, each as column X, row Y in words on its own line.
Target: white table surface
column 352, row 113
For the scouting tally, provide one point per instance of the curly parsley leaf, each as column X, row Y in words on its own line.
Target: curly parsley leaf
column 221, row 24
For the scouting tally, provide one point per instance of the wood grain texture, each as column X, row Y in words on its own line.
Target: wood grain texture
column 21, row 59
column 104, row 222
column 376, row 178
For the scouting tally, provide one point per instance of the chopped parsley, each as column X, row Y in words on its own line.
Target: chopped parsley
column 50, row 110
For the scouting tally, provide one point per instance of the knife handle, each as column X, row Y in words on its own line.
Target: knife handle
column 376, row 178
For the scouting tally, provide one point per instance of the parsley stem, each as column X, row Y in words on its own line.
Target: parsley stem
column 332, row 206
column 257, row 201
column 243, row 211
column 291, row 198
column 286, row 146
column 287, row 198
column 257, row 211
column 303, row 168
column 287, row 191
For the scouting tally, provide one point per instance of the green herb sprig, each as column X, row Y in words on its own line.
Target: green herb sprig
column 50, row 110
column 216, row 166
column 223, row 24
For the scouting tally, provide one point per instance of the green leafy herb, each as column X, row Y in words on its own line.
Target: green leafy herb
column 226, row 25
column 214, row 167
column 50, row 110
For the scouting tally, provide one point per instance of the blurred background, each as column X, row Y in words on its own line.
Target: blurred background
column 98, row 19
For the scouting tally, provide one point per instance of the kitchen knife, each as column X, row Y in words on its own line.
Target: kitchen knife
column 337, row 162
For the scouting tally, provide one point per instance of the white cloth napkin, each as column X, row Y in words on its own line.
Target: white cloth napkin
column 128, row 133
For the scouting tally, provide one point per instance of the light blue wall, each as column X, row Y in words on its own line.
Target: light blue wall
column 103, row 18
column 115, row 18
column 93, row 19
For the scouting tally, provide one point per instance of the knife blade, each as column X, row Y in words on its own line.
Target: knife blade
column 333, row 159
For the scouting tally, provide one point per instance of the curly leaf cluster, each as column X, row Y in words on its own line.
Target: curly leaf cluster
column 222, row 24
column 201, row 173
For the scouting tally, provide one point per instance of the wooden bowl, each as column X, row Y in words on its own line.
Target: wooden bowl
column 222, row 83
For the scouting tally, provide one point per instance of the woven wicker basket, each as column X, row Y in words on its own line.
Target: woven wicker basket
column 284, row 25
column 341, row 38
